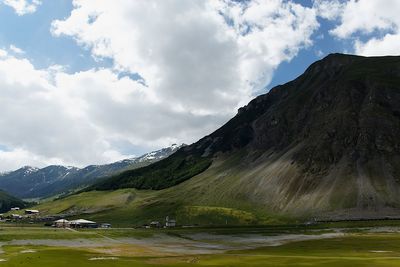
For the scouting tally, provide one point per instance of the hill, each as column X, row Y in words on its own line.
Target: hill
column 324, row 145
column 30, row 182
column 7, row 202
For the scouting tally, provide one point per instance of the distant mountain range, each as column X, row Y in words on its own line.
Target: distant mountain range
column 30, row 182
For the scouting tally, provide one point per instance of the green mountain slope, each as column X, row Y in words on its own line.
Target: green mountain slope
column 159, row 175
column 7, row 202
column 323, row 145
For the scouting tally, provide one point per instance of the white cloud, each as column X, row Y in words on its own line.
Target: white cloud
column 50, row 116
column 267, row 33
column 23, row 7
column 330, row 10
column 187, row 52
column 373, row 24
column 200, row 61
column 388, row 45
column 35, row 118
column 367, row 16
column 12, row 160
column 3, row 53
column 17, row 50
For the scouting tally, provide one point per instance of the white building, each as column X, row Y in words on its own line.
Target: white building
column 33, row 212
column 16, row 216
column 82, row 223
column 62, row 223
column 169, row 222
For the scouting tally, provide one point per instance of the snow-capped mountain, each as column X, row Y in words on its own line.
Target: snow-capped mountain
column 159, row 154
column 31, row 182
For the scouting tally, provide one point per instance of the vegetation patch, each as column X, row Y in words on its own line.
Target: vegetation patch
column 217, row 215
column 160, row 175
column 88, row 202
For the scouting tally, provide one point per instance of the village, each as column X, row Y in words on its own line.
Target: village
column 32, row 216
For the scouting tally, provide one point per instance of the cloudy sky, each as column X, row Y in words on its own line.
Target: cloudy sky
column 94, row 81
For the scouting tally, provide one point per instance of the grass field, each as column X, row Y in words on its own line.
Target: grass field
column 236, row 246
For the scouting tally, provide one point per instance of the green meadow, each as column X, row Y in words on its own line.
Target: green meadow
column 236, row 246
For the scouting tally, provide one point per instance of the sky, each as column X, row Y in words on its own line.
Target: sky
column 91, row 82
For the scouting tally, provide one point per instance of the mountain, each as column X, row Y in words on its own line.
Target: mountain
column 7, row 202
column 324, row 145
column 30, row 182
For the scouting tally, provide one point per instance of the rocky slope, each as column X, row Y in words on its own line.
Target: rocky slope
column 325, row 144
column 30, row 182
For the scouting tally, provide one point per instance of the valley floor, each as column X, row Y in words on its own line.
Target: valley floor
column 341, row 245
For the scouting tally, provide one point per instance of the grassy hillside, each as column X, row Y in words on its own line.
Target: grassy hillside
column 204, row 200
column 129, row 207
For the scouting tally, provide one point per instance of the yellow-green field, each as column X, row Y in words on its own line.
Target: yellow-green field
column 31, row 246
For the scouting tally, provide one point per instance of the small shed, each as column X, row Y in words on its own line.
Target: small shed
column 32, row 212
column 62, row 223
column 16, row 216
column 170, row 222
column 155, row 224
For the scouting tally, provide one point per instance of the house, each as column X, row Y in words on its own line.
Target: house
column 169, row 222
column 82, row 223
column 15, row 208
column 16, row 216
column 32, row 212
column 155, row 224
column 62, row 223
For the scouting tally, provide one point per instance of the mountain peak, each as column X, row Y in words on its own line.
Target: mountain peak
column 28, row 169
column 159, row 154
